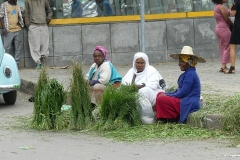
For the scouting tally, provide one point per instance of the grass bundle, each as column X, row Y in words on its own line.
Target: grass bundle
column 231, row 115
column 49, row 98
column 118, row 108
column 80, row 99
column 38, row 110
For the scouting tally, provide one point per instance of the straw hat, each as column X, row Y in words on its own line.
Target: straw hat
column 187, row 50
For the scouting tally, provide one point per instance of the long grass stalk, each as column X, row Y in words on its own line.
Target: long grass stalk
column 80, row 99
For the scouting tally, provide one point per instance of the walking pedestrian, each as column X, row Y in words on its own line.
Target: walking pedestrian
column 234, row 40
column 221, row 14
column 38, row 15
column 12, row 22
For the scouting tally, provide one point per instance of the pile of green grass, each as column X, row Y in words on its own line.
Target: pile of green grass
column 49, row 98
column 165, row 132
column 118, row 108
column 81, row 115
column 119, row 118
column 213, row 104
column 231, row 115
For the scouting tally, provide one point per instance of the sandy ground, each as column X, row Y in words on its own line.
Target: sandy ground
column 26, row 144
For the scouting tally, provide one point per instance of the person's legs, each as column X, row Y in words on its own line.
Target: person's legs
column 44, row 43
column 34, row 43
column 145, row 110
column 96, row 93
column 233, row 48
column 17, row 41
column 224, row 47
column 223, row 65
column 149, row 94
column 7, row 41
column 167, row 107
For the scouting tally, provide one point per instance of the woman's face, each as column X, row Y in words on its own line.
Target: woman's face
column 98, row 57
column 140, row 64
column 183, row 65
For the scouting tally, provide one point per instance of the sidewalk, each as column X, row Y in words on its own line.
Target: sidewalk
column 212, row 81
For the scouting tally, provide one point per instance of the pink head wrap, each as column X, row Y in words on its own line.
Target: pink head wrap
column 103, row 50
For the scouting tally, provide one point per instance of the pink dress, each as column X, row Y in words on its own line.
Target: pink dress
column 223, row 34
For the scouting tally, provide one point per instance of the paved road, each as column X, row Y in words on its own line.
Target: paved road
column 26, row 144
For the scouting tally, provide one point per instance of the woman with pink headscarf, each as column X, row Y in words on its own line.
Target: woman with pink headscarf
column 101, row 74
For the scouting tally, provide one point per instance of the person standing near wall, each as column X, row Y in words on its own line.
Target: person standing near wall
column 12, row 23
column 38, row 15
column 105, row 7
column 235, row 39
column 221, row 14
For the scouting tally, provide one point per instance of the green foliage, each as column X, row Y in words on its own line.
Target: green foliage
column 118, row 108
column 231, row 115
column 42, row 81
column 80, row 99
column 49, row 98
column 168, row 132
column 119, row 117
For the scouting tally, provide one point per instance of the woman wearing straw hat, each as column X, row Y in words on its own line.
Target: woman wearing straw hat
column 175, row 106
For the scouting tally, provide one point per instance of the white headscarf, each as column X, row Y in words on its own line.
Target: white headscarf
column 143, row 76
column 144, row 72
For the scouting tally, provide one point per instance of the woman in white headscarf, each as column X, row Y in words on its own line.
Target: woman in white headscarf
column 148, row 80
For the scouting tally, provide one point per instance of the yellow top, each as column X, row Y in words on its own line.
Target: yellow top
column 12, row 13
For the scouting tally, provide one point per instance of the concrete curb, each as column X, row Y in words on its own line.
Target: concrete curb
column 27, row 87
column 210, row 121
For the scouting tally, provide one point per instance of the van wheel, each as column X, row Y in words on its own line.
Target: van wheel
column 10, row 97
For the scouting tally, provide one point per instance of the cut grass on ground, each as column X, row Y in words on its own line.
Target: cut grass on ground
column 212, row 104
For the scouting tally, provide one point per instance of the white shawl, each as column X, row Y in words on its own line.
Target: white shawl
column 150, row 76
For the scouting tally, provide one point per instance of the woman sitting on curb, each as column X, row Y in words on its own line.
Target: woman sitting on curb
column 101, row 74
column 175, row 106
column 148, row 80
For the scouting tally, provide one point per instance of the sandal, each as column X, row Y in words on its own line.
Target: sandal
column 223, row 69
column 231, row 70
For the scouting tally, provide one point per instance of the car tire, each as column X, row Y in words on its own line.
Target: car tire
column 10, row 97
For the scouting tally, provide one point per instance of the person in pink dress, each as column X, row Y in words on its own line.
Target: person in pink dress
column 221, row 14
